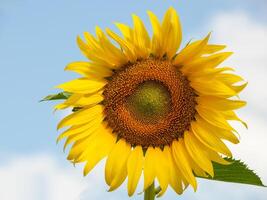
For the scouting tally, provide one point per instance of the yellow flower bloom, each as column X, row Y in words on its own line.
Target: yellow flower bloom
column 150, row 109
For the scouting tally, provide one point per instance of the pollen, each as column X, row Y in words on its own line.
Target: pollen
column 149, row 103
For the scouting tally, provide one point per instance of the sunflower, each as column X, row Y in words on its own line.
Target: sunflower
column 148, row 108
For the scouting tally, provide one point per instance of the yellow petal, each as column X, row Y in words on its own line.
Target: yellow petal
column 175, row 178
column 229, row 79
column 207, row 138
column 207, row 73
column 181, row 156
column 81, row 128
column 220, row 103
column 206, row 62
column 134, row 168
column 213, row 117
column 215, row 157
column 69, row 102
column 211, row 154
column 83, row 85
column 80, row 100
column 92, row 42
column 141, row 38
column 60, row 106
column 81, row 145
column 89, row 100
column 195, row 168
column 111, row 52
column 149, row 167
column 212, row 88
column 127, row 47
column 230, row 115
column 94, row 125
column 166, row 37
column 238, row 88
column 116, row 165
column 190, row 52
column 126, row 31
column 92, row 51
column 81, row 116
column 103, row 143
column 226, row 135
column 212, row 48
column 208, row 49
column 156, row 39
column 196, row 153
column 89, row 69
column 220, row 133
column 97, row 50
column 162, row 172
column 171, row 33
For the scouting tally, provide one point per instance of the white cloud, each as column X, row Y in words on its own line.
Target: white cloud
column 39, row 177
column 42, row 177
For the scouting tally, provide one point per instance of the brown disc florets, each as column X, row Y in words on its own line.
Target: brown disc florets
column 149, row 102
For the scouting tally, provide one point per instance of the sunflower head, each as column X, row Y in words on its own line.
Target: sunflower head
column 149, row 108
column 149, row 103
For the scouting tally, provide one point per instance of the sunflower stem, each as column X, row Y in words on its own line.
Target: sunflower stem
column 150, row 192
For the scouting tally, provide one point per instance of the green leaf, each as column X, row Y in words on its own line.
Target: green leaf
column 59, row 96
column 236, row 172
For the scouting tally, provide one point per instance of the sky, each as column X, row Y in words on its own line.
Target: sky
column 38, row 39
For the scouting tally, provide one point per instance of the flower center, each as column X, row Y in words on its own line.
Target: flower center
column 149, row 103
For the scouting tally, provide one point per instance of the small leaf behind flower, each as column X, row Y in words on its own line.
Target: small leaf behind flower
column 236, row 172
column 59, row 96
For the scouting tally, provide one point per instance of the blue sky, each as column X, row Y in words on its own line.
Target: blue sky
column 38, row 38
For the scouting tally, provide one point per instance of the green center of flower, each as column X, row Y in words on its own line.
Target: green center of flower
column 150, row 101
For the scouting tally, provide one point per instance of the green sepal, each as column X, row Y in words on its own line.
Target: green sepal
column 59, row 96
